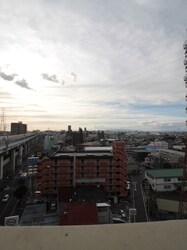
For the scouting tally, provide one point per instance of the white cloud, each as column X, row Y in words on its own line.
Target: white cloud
column 99, row 52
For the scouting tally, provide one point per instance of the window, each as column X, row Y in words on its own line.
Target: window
column 167, row 179
column 167, row 187
column 82, row 174
column 102, row 209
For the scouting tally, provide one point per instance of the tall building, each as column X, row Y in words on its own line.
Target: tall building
column 100, row 135
column 103, row 166
column 77, row 137
column 18, row 128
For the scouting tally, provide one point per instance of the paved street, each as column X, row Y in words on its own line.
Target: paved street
column 139, row 202
column 138, row 197
column 9, row 207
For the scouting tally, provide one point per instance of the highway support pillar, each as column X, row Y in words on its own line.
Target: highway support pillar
column 1, row 166
column 13, row 161
column 20, row 156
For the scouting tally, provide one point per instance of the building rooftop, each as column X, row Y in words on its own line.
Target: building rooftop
column 82, row 193
column 103, row 204
column 162, row 173
column 89, row 193
column 33, row 215
column 82, row 153
column 171, row 151
column 87, row 149
column 80, row 213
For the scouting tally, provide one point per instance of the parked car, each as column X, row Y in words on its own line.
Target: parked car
column 123, row 214
column 5, row 198
column 20, row 172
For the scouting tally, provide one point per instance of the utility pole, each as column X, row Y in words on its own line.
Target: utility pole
column 3, row 124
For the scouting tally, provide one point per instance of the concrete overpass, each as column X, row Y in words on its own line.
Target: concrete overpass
column 13, row 149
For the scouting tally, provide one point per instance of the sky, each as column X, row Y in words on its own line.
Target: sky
column 99, row 64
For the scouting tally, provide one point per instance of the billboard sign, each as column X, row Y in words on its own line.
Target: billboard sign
column 132, row 211
column 31, row 161
column 12, row 220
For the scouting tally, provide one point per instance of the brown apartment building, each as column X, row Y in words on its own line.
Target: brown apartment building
column 103, row 166
column 18, row 128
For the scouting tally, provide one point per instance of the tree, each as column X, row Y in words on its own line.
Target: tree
column 20, row 192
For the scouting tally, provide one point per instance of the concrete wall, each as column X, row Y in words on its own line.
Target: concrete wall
column 169, row 235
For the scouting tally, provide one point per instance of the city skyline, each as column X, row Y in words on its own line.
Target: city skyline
column 94, row 64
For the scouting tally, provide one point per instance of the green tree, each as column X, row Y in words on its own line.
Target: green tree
column 20, row 192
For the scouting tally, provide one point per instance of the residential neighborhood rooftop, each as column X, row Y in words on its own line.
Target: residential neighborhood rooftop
column 162, row 173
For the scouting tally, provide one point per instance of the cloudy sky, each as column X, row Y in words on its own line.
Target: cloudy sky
column 100, row 64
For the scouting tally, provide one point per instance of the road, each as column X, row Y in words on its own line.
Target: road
column 8, row 208
column 141, row 215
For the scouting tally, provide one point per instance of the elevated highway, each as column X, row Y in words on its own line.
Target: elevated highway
column 13, row 149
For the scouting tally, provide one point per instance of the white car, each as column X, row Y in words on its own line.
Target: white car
column 20, row 172
column 123, row 214
column 5, row 198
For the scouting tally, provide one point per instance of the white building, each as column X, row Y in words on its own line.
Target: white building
column 162, row 180
column 159, row 144
column 179, row 147
column 172, row 156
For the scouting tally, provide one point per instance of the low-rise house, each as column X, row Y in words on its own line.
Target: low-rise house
column 162, row 180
